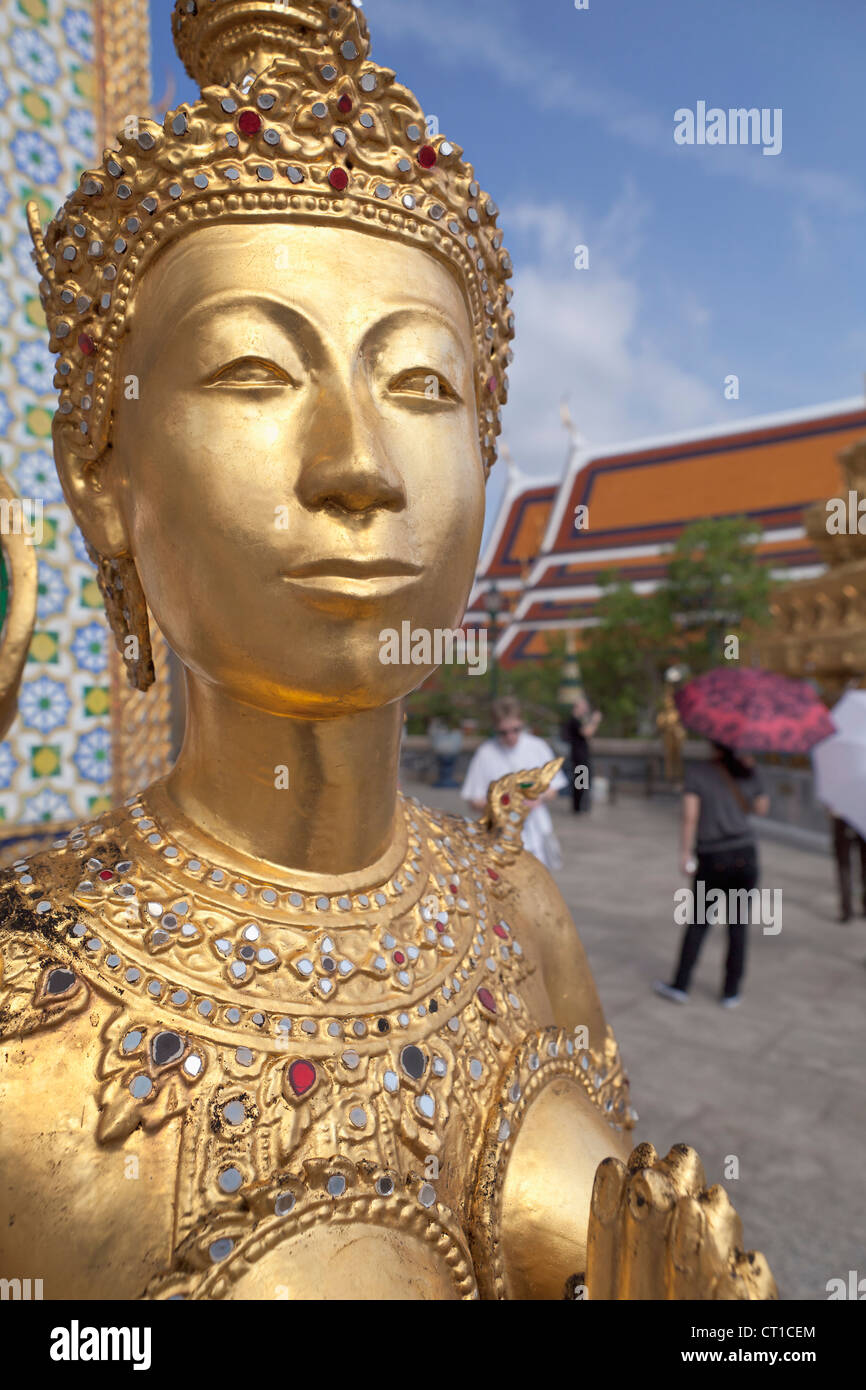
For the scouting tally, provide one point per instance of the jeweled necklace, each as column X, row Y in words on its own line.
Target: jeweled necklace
column 400, row 889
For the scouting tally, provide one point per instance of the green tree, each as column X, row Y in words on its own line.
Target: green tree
column 714, row 585
column 623, row 661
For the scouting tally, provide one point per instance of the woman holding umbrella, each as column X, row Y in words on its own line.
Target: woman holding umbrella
column 720, row 848
column 737, row 710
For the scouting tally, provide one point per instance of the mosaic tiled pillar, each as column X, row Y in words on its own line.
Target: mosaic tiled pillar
column 69, row 73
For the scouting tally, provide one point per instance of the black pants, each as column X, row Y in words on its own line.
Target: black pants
column 583, row 795
column 845, row 838
column 725, row 869
column 580, row 760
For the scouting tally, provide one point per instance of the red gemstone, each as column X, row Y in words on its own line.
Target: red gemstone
column 440, row 926
column 106, row 874
column 345, row 104
column 399, row 958
column 427, row 157
column 506, row 800
column 492, row 385
column 487, row 1000
column 454, row 888
column 493, row 875
column 87, row 345
column 302, row 1075
column 501, row 931
column 249, row 122
column 339, row 179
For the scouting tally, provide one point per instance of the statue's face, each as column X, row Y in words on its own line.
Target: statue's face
column 301, row 471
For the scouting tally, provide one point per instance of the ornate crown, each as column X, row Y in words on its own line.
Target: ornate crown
column 294, row 122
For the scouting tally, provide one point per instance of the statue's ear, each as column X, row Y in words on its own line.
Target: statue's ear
column 93, row 491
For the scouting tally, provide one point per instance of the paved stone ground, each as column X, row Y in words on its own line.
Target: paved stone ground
column 778, row 1082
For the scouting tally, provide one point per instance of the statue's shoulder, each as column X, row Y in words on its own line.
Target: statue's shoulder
column 38, row 918
column 520, row 886
column 497, row 837
column 524, row 893
column 33, row 967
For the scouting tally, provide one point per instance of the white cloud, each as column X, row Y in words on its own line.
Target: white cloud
column 583, row 335
column 586, row 345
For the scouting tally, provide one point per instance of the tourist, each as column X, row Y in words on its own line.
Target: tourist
column 578, row 730
column 514, row 749
column 845, row 840
column 718, row 798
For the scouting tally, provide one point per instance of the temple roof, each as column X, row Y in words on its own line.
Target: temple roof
column 640, row 496
column 518, row 531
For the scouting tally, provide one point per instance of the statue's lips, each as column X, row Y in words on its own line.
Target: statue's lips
column 359, row 578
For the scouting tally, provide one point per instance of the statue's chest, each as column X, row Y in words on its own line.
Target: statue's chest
column 234, row 1082
column 193, row 1164
column 225, row 1126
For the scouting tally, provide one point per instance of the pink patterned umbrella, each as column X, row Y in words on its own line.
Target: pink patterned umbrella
column 754, row 711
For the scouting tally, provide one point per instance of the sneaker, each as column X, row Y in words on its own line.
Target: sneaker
column 676, row 996
column 731, row 1001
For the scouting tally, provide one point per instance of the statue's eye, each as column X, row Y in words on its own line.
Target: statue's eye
column 251, row 371
column 423, row 383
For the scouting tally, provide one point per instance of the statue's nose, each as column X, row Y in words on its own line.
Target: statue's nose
column 346, row 465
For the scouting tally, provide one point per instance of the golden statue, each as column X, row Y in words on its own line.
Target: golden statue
column 18, row 585
column 673, row 735
column 271, row 1030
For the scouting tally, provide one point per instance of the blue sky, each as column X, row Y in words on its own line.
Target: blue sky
column 704, row 260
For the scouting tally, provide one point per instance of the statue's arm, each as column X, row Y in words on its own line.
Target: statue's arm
column 656, row 1231
column 537, row 906
column 575, row 1214
column 653, row 1229
column 558, row 950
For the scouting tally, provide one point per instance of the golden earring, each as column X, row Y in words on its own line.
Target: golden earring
column 126, row 609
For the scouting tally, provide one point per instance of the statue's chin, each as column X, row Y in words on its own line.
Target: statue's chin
column 310, row 693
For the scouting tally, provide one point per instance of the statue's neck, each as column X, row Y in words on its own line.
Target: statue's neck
column 311, row 797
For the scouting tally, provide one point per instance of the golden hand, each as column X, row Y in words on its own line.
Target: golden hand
column 657, row 1232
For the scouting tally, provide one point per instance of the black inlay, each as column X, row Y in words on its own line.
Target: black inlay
column 413, row 1062
column 59, row 981
column 166, row 1047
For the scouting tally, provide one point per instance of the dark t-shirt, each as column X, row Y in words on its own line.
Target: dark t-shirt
column 722, row 824
column 577, row 740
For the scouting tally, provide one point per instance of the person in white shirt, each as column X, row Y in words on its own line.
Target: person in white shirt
column 514, row 749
